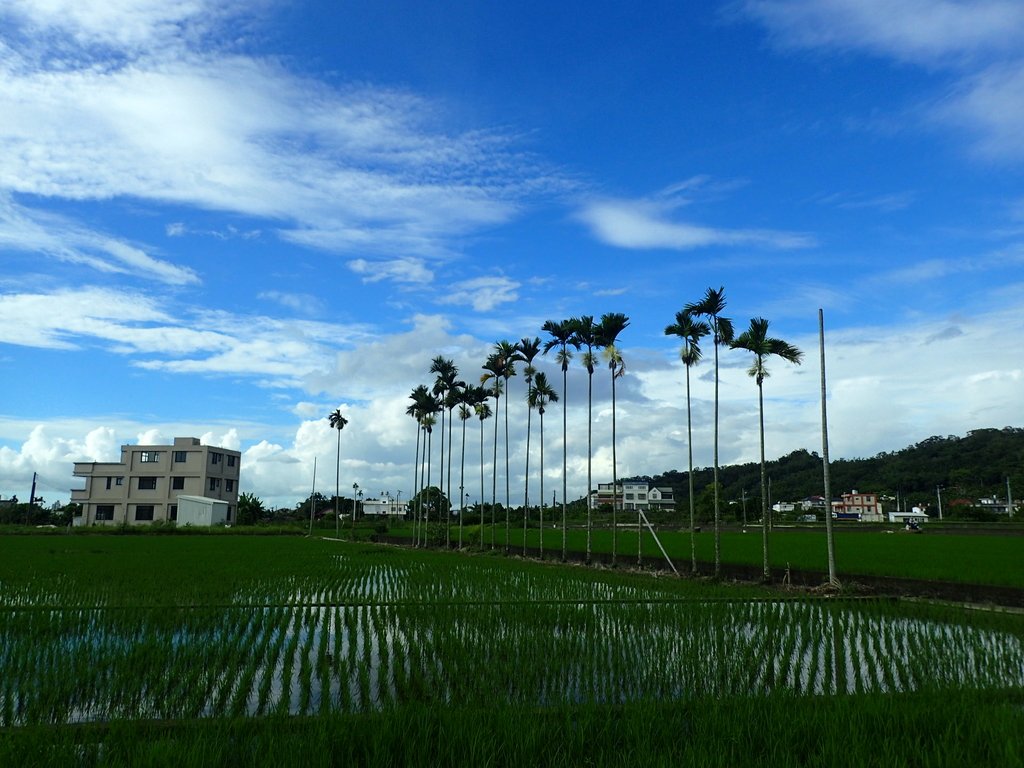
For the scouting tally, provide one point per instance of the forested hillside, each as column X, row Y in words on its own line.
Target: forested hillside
column 967, row 467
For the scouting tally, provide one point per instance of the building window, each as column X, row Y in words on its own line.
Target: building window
column 178, row 483
column 229, row 485
column 147, row 483
column 215, row 457
column 229, row 514
column 119, row 481
column 214, row 483
column 231, row 461
column 148, row 457
column 144, row 512
column 105, row 512
column 180, row 457
column 172, row 512
column 109, row 481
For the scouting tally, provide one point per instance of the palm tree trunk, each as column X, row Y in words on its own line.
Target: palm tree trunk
column 494, row 475
column 526, row 491
column 615, row 480
column 462, row 483
column 718, row 519
column 415, row 485
column 482, row 487
column 430, row 456
column 833, row 577
column 565, row 463
column 541, row 486
column 590, row 425
column 766, row 575
column 689, row 475
column 440, row 464
column 448, row 524
column 337, row 488
column 508, row 489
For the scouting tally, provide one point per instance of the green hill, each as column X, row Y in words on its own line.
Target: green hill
column 969, row 467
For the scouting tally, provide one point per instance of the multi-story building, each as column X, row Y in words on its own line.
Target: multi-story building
column 864, row 507
column 633, row 495
column 144, row 486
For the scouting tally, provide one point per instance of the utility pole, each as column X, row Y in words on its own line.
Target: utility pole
column 1009, row 498
column 938, row 493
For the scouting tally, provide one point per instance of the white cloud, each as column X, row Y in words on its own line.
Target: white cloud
column 926, row 31
column 401, row 270
column 648, row 223
column 481, row 293
column 303, row 303
column 23, row 229
column 990, row 105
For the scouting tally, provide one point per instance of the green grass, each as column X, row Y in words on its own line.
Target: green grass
column 966, row 558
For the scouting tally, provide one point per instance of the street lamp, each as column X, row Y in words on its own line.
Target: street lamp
column 355, row 491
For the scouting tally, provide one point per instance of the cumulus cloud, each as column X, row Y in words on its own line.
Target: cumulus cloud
column 481, row 293
column 402, row 270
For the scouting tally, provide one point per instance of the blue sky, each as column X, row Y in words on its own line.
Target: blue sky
column 226, row 219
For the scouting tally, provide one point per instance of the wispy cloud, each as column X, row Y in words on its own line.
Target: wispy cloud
column 887, row 203
column 923, row 31
column 165, row 119
column 23, row 229
column 651, row 223
column 403, row 270
column 979, row 43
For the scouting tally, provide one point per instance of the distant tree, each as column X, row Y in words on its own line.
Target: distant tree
column 250, row 509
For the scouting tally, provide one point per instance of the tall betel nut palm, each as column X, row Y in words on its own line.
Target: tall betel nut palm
column 495, row 369
column 528, row 351
column 562, row 336
column 585, row 331
column 541, row 393
column 483, row 412
column 445, row 381
column 690, row 331
column 608, row 330
column 337, row 422
column 509, row 355
column 756, row 340
column 711, row 308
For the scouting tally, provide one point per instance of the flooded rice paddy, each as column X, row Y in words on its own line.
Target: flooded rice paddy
column 371, row 636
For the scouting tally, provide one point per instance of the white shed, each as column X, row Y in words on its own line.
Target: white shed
column 200, row 510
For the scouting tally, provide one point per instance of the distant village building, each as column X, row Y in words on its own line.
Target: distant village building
column 145, row 485
column 864, row 507
column 386, row 507
column 632, row 496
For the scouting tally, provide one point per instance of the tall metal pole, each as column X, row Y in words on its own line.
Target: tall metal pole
column 833, row 579
column 1009, row 498
column 938, row 493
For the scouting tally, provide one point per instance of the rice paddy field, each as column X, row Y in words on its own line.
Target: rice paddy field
column 193, row 650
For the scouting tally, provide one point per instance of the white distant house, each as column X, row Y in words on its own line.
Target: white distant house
column 633, row 495
column 201, row 510
column 915, row 515
column 386, row 507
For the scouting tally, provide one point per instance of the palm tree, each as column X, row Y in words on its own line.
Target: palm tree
column 494, row 368
column 608, row 330
column 428, row 426
column 540, row 395
column 467, row 399
column 711, row 307
column 483, row 411
column 563, row 336
column 420, row 395
column 756, row 339
column 528, row 350
column 444, row 382
column 691, row 332
column 509, row 355
column 338, row 422
column 585, row 331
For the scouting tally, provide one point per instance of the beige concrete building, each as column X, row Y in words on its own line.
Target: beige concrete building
column 144, row 486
